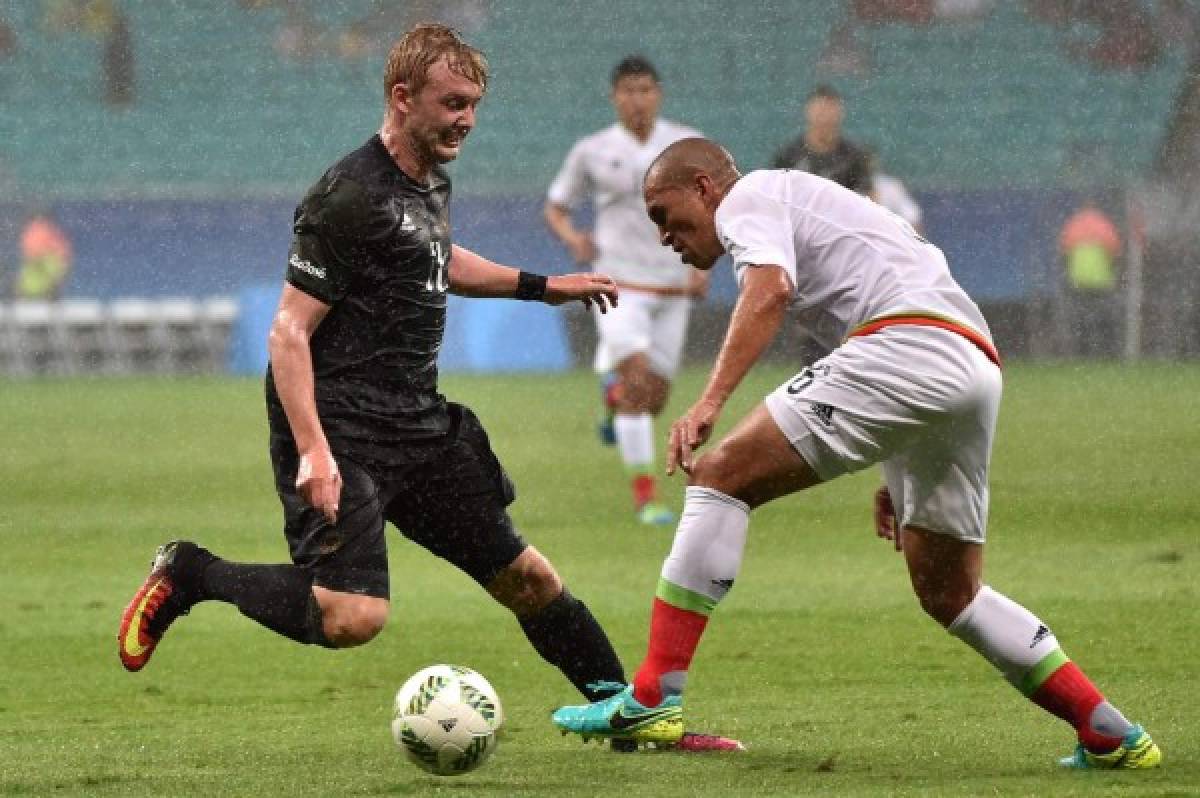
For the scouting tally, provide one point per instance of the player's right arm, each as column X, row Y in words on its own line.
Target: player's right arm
column 568, row 188
column 755, row 229
column 297, row 318
column 329, row 216
column 762, row 304
column 578, row 242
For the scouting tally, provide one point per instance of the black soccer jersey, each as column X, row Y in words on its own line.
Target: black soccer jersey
column 845, row 164
column 374, row 245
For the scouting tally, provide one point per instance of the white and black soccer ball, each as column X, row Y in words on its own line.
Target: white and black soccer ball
column 446, row 719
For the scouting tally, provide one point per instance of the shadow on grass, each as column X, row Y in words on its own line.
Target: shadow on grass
column 83, row 785
column 465, row 785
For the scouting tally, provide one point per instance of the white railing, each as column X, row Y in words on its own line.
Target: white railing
column 124, row 336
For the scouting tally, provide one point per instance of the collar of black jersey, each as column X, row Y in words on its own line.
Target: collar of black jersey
column 437, row 175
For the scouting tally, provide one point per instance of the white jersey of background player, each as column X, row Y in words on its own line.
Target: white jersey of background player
column 641, row 340
column 891, row 193
column 911, row 380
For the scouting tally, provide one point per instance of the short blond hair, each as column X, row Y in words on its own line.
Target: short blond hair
column 423, row 46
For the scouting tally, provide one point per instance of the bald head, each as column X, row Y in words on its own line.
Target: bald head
column 683, row 188
column 681, row 163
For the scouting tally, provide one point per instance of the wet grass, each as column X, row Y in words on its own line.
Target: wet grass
column 819, row 659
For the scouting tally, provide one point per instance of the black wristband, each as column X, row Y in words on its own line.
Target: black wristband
column 531, row 286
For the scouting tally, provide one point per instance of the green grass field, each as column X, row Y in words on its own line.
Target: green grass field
column 819, row 660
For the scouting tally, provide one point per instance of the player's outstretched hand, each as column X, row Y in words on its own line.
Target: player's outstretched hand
column 689, row 433
column 885, row 518
column 319, row 482
column 588, row 288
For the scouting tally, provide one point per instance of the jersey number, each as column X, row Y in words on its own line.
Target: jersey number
column 439, row 274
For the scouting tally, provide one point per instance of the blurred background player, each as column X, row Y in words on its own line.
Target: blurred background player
column 890, row 192
column 640, row 342
column 822, row 149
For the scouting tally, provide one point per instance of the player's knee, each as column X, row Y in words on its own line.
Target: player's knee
column 942, row 603
column 716, row 469
column 633, row 397
column 657, row 403
column 354, row 620
column 527, row 585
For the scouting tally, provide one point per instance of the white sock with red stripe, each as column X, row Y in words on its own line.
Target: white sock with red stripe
column 635, row 442
column 704, row 561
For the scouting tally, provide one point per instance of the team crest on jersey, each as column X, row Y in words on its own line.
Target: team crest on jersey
column 400, row 213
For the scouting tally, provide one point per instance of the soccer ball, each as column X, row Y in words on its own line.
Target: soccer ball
column 446, row 719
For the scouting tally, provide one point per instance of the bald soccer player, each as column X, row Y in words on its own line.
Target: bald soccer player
column 911, row 380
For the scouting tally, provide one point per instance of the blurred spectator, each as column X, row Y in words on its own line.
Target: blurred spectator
column 1129, row 33
column 8, row 52
column 844, row 54
column 117, row 63
column 1090, row 245
column 91, row 17
column 821, row 149
column 919, row 12
column 1127, row 39
column 1051, row 12
column 103, row 20
column 8, row 41
column 45, row 259
column 912, row 12
column 961, row 10
column 1178, row 24
column 299, row 37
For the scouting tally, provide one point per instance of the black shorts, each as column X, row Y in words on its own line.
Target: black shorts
column 452, row 500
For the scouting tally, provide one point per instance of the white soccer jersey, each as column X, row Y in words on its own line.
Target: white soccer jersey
column 850, row 260
column 610, row 166
column 891, row 193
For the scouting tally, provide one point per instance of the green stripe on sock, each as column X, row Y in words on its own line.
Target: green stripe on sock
column 1041, row 672
column 684, row 599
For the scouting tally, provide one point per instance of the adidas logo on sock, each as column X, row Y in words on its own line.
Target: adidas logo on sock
column 1041, row 634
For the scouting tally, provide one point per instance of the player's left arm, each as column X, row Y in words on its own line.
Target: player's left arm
column 762, row 304
column 473, row 275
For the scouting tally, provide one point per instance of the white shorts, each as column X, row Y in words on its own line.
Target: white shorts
column 923, row 401
column 643, row 323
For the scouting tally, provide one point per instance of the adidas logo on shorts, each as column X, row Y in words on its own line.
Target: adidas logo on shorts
column 823, row 412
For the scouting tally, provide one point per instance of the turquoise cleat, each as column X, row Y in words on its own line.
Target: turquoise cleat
column 622, row 717
column 1136, row 751
column 655, row 514
column 606, row 429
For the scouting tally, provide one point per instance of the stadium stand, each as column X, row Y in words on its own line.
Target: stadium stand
column 219, row 109
column 188, row 192
column 125, row 336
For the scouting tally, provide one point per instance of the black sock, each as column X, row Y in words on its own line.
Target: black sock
column 569, row 638
column 279, row 597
